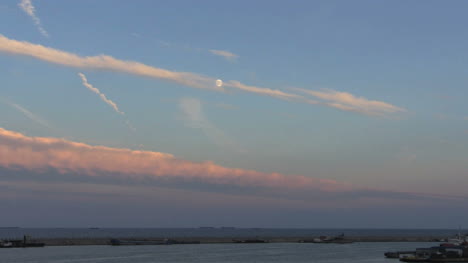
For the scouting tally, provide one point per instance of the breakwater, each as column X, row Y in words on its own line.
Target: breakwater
column 223, row 240
column 213, row 235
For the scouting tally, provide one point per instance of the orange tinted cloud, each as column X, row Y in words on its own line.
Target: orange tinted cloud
column 41, row 153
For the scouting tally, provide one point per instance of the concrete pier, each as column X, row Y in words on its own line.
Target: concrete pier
column 210, row 240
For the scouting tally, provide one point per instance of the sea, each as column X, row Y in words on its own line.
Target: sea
column 245, row 253
column 215, row 232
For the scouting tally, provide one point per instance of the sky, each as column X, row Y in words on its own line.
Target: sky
column 343, row 114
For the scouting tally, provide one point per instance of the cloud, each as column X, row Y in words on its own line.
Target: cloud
column 348, row 102
column 27, row 113
column 28, row 8
column 101, row 95
column 41, row 153
column 195, row 118
column 229, row 56
column 263, row 91
column 105, row 99
column 341, row 100
column 225, row 54
column 103, row 62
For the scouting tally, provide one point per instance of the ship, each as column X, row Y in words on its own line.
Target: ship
column 340, row 239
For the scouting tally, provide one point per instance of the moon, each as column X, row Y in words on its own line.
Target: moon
column 219, row 83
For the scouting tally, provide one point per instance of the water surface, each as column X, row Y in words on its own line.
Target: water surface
column 245, row 253
column 216, row 232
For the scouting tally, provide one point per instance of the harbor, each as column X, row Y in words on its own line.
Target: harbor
column 409, row 248
column 25, row 242
column 220, row 235
column 214, row 240
column 453, row 249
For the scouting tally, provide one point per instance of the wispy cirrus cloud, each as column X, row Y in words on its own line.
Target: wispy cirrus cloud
column 195, row 118
column 103, row 62
column 263, row 91
column 28, row 8
column 341, row 100
column 229, row 56
column 225, row 54
column 101, row 95
column 348, row 102
column 30, row 115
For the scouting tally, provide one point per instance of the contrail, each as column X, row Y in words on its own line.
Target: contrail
column 28, row 8
column 27, row 113
column 101, row 95
column 105, row 99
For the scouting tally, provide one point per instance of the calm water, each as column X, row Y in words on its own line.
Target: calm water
column 245, row 253
column 212, row 232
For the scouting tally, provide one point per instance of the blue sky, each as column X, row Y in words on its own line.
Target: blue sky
column 364, row 93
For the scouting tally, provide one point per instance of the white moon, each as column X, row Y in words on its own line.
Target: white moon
column 219, row 83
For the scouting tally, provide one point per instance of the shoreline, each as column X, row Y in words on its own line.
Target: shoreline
column 223, row 240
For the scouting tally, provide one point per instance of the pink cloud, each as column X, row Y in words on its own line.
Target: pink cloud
column 41, row 153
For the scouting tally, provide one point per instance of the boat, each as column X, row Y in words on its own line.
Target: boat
column 398, row 254
column 253, row 240
column 6, row 244
column 20, row 243
column 419, row 255
column 457, row 240
column 340, row 239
